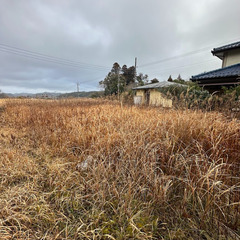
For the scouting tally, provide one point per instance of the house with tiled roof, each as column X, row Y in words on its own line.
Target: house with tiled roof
column 228, row 75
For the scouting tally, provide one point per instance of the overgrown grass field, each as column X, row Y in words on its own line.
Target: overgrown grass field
column 93, row 169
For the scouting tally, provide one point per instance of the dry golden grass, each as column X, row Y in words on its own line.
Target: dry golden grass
column 91, row 169
column 2, row 102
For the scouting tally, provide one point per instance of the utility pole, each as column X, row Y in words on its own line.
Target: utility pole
column 118, row 84
column 135, row 72
column 77, row 86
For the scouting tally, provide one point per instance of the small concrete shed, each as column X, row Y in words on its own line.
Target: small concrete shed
column 150, row 95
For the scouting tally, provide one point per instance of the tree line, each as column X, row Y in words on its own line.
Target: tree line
column 120, row 79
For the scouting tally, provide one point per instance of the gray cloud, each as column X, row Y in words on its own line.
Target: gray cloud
column 100, row 32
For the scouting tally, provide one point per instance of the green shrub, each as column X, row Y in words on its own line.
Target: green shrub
column 190, row 95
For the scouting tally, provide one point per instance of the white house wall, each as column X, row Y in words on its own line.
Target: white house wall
column 231, row 57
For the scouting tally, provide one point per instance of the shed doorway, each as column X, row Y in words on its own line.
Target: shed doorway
column 147, row 95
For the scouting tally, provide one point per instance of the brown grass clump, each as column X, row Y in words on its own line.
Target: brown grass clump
column 93, row 169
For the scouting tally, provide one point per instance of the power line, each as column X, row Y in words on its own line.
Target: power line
column 56, row 60
column 48, row 58
column 87, row 66
column 52, row 61
column 174, row 57
column 185, row 66
column 182, row 55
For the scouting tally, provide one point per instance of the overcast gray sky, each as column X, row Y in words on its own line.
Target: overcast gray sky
column 79, row 40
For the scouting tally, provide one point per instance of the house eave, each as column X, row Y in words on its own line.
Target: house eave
column 221, row 50
column 219, row 84
column 224, row 81
column 220, row 54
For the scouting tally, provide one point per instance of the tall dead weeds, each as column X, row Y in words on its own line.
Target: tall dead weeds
column 93, row 169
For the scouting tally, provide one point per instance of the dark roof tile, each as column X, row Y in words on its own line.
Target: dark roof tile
column 230, row 71
column 226, row 47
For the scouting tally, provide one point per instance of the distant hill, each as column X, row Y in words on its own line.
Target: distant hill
column 3, row 95
column 34, row 95
column 90, row 94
